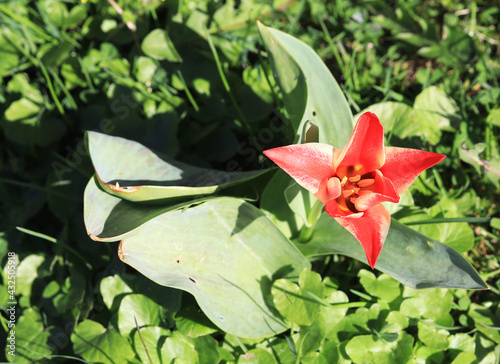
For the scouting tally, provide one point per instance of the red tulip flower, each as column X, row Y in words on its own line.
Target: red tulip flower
column 353, row 182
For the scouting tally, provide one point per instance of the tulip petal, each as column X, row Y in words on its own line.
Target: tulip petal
column 370, row 229
column 322, row 193
column 365, row 148
column 335, row 210
column 403, row 165
column 333, row 187
column 308, row 164
column 383, row 190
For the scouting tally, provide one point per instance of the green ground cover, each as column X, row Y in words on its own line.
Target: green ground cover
column 193, row 80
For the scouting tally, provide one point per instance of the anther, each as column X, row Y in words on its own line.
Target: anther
column 366, row 182
column 347, row 193
column 354, row 179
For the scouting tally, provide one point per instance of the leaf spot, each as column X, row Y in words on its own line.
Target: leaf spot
column 314, row 113
column 192, row 280
column 249, row 356
column 430, row 243
column 220, row 317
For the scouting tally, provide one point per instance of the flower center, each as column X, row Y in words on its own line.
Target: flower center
column 347, row 188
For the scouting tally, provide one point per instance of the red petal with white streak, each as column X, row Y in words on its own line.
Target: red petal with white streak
column 403, row 165
column 365, row 148
column 308, row 164
column 370, row 229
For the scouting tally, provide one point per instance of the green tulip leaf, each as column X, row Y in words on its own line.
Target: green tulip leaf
column 409, row 257
column 131, row 171
column 310, row 92
column 279, row 210
column 224, row 252
column 110, row 218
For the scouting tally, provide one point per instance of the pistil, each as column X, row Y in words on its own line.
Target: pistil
column 351, row 186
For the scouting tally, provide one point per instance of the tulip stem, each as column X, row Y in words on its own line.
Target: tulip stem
column 312, row 217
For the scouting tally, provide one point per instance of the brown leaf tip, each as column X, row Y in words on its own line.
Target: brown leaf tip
column 121, row 254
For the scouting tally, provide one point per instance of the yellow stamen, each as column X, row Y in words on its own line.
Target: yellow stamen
column 344, row 208
column 354, row 179
column 343, row 182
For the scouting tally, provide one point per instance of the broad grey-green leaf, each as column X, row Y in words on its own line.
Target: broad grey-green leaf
column 226, row 253
column 300, row 201
column 192, row 322
column 310, row 92
column 407, row 256
column 157, row 44
column 110, row 218
column 275, row 204
column 133, row 172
